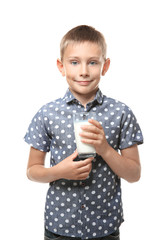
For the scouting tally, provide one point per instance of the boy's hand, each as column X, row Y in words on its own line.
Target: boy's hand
column 94, row 135
column 74, row 170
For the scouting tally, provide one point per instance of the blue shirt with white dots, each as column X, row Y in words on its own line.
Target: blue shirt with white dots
column 90, row 208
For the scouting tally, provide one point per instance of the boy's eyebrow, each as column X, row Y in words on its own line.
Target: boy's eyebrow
column 95, row 57
column 76, row 57
column 73, row 57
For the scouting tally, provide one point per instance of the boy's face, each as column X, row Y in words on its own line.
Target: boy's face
column 83, row 66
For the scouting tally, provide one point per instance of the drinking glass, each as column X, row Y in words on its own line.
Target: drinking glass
column 84, row 150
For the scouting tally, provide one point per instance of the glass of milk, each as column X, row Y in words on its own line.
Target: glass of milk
column 84, row 150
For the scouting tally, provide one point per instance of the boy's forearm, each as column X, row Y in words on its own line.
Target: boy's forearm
column 125, row 168
column 66, row 169
column 39, row 173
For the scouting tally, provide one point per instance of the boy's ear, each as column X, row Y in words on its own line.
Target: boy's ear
column 60, row 67
column 106, row 66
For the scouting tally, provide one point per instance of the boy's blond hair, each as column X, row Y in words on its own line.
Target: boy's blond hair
column 80, row 34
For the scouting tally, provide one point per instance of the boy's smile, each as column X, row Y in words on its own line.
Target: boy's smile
column 83, row 66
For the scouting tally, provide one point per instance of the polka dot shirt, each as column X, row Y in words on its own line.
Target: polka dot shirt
column 91, row 208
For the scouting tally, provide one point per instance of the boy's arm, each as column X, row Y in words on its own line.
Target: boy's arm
column 126, row 165
column 67, row 169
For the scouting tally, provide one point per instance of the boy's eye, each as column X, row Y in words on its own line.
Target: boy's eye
column 74, row 63
column 93, row 63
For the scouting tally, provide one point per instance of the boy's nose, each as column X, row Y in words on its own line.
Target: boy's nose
column 84, row 71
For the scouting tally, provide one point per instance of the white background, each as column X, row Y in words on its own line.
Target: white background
column 136, row 34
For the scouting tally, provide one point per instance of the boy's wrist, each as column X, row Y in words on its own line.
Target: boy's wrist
column 54, row 173
column 107, row 152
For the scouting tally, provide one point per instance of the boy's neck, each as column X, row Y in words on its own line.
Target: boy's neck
column 84, row 99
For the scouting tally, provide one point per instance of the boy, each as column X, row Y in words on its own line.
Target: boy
column 84, row 197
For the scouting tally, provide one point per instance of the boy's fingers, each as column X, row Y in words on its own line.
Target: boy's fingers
column 89, row 135
column 90, row 128
column 88, row 160
column 95, row 123
column 85, row 162
column 85, row 169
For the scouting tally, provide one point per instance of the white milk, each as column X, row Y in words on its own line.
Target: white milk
column 82, row 148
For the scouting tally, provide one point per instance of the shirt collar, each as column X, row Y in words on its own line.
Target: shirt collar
column 69, row 97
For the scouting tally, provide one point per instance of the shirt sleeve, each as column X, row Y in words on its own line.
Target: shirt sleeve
column 37, row 135
column 130, row 130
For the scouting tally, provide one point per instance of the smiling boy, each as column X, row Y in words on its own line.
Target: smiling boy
column 84, row 197
column 83, row 65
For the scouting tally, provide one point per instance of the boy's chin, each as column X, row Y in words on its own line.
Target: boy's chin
column 86, row 91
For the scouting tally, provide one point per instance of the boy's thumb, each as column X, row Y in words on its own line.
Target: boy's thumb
column 74, row 155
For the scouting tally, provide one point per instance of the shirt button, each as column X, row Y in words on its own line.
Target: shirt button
column 82, row 206
column 83, row 184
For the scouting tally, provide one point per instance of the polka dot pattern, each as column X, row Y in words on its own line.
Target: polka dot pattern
column 90, row 208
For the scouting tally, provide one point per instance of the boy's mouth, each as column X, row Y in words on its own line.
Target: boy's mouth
column 83, row 83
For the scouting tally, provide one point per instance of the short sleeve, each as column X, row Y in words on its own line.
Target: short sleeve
column 37, row 135
column 130, row 130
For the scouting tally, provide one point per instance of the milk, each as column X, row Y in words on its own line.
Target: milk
column 84, row 150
